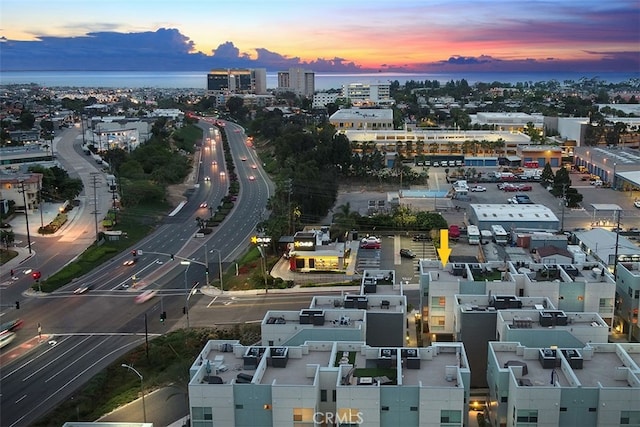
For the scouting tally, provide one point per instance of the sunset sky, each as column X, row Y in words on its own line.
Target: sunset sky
column 372, row 34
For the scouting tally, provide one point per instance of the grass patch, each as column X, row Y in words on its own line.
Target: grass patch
column 6, row 255
column 170, row 357
column 136, row 222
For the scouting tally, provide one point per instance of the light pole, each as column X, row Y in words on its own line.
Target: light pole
column 144, row 408
column 219, row 268
column 26, row 213
column 186, row 304
column 613, row 180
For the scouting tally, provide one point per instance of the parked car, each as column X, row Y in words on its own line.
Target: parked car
column 524, row 187
column 636, row 203
column 203, row 205
column 371, row 242
column 478, row 188
column 421, row 238
column 407, row 253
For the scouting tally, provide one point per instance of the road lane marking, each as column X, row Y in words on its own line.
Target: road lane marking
column 18, row 422
column 212, row 301
column 24, row 365
column 22, row 398
column 55, row 359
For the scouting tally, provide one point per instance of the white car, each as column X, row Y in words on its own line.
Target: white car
column 636, row 203
column 478, row 188
column 145, row 296
column 82, row 289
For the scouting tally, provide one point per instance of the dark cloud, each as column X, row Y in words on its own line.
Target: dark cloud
column 168, row 50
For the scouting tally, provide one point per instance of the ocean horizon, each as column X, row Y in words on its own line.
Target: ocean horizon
column 323, row 81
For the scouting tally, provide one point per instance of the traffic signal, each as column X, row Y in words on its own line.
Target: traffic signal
column 12, row 273
column 163, row 316
column 171, row 257
column 36, row 275
column 17, row 305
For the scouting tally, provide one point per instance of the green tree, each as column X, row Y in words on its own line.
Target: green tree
column 344, row 220
column 547, row 175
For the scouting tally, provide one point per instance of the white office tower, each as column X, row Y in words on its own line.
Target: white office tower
column 297, row 80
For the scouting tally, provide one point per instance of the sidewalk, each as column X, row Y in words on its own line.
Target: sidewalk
column 16, row 262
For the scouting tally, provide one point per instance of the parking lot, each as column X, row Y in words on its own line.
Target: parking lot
column 388, row 256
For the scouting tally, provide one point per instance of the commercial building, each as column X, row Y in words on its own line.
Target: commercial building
column 605, row 245
column 478, row 148
column 313, row 250
column 592, row 386
column 325, row 382
column 618, row 167
column 15, row 158
column 362, row 119
column 237, row 81
column 542, row 154
column 508, row 121
column 297, row 80
column 512, row 217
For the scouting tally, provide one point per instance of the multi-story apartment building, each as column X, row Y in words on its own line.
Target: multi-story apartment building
column 367, row 94
column 628, row 299
column 297, row 80
column 321, row 99
column 21, row 188
column 597, row 385
column 375, row 315
column 329, row 383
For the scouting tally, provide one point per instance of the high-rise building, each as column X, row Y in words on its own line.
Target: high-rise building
column 238, row 80
column 297, row 80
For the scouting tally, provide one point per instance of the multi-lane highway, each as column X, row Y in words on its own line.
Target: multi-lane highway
column 84, row 333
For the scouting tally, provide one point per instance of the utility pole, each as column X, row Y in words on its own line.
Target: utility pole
column 26, row 213
column 564, row 202
column 289, row 213
column 615, row 255
column 95, row 179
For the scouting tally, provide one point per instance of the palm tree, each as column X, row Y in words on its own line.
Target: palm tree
column 345, row 219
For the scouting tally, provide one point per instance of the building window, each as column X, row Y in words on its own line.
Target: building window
column 239, row 406
column 201, row 416
column 528, row 417
column 323, row 395
column 593, row 409
column 303, row 417
column 563, row 409
column 449, row 417
column 384, row 408
column 637, row 295
column 333, row 395
column 630, row 418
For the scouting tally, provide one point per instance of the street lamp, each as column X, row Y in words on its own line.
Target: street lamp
column 613, row 180
column 144, row 408
column 26, row 213
column 219, row 268
column 186, row 309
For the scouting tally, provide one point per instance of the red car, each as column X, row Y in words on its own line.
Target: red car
column 525, row 188
column 510, row 188
column 370, row 242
